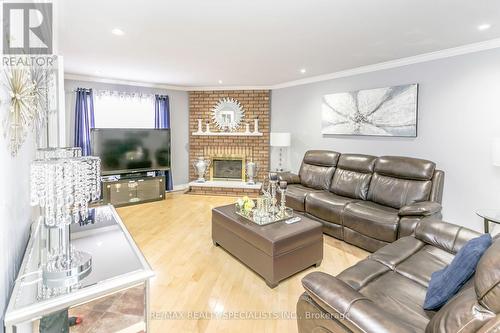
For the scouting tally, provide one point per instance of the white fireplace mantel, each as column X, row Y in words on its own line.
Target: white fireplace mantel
column 227, row 133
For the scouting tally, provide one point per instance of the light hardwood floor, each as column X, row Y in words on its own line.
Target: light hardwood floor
column 194, row 277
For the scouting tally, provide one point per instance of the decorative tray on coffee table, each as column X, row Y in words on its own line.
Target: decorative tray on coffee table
column 270, row 218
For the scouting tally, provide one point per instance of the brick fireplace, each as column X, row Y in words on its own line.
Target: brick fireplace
column 229, row 153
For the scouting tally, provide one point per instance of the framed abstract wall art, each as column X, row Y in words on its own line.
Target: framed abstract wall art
column 390, row 111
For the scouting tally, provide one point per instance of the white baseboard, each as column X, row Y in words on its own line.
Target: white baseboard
column 180, row 188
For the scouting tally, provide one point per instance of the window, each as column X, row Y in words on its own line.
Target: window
column 124, row 111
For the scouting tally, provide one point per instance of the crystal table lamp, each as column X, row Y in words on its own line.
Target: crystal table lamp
column 281, row 140
column 63, row 183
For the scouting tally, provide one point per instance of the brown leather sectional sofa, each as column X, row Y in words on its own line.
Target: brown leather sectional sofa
column 365, row 200
column 386, row 291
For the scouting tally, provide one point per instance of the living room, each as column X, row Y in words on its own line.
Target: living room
column 294, row 166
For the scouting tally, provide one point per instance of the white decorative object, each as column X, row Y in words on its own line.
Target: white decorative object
column 27, row 95
column 227, row 114
column 282, row 141
column 201, row 166
column 496, row 152
column 390, row 111
column 20, row 105
column 207, row 128
column 227, row 134
column 200, row 128
column 256, row 125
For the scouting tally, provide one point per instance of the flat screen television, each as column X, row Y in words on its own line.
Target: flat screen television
column 128, row 150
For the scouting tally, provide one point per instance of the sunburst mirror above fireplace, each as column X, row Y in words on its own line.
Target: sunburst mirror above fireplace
column 227, row 114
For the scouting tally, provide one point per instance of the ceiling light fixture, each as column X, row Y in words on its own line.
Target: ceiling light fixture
column 117, row 32
column 303, row 70
column 220, row 81
column 483, row 27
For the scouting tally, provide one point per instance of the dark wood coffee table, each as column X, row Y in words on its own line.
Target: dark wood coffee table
column 275, row 251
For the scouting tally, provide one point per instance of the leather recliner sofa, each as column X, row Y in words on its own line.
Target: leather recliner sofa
column 386, row 291
column 365, row 200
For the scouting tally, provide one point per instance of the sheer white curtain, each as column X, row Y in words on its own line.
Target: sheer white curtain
column 124, row 110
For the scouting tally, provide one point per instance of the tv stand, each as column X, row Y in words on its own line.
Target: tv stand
column 133, row 188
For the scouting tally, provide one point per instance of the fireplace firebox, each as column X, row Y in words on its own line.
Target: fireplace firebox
column 227, row 168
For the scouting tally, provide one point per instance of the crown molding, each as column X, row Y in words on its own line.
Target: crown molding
column 425, row 57
column 89, row 78
column 219, row 88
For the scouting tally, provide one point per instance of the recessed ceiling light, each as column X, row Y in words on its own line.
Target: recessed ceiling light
column 303, row 71
column 98, row 72
column 117, row 32
column 220, row 81
column 483, row 27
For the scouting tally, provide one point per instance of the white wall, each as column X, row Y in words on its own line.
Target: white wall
column 14, row 215
column 458, row 115
column 179, row 118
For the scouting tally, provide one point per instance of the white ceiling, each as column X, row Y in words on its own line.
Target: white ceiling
column 258, row 42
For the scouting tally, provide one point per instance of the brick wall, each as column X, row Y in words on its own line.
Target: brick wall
column 254, row 102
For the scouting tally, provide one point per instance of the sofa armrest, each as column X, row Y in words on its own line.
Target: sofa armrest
column 289, row 177
column 447, row 236
column 425, row 208
column 357, row 312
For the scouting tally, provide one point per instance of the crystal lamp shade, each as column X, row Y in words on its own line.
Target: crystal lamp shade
column 63, row 188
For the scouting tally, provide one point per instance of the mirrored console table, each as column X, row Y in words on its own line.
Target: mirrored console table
column 113, row 295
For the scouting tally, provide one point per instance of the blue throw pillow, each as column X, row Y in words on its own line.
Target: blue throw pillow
column 447, row 282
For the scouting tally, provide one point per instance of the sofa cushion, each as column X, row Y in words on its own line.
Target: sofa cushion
column 446, row 236
column 316, row 177
column 362, row 273
column 321, row 157
column 446, row 282
column 400, row 296
column 420, row 266
column 373, row 220
column 326, row 206
column 296, row 196
column 317, row 168
column 365, row 242
column 405, row 167
column 352, row 176
column 397, row 192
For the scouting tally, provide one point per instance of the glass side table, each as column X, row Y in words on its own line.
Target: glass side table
column 489, row 216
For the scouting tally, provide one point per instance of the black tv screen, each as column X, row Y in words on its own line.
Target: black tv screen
column 125, row 150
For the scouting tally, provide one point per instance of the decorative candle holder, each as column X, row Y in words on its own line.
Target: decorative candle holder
column 273, row 179
column 207, row 127
column 200, row 128
column 282, row 188
column 256, row 125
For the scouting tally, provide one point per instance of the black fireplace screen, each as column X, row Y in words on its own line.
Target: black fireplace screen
column 227, row 169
